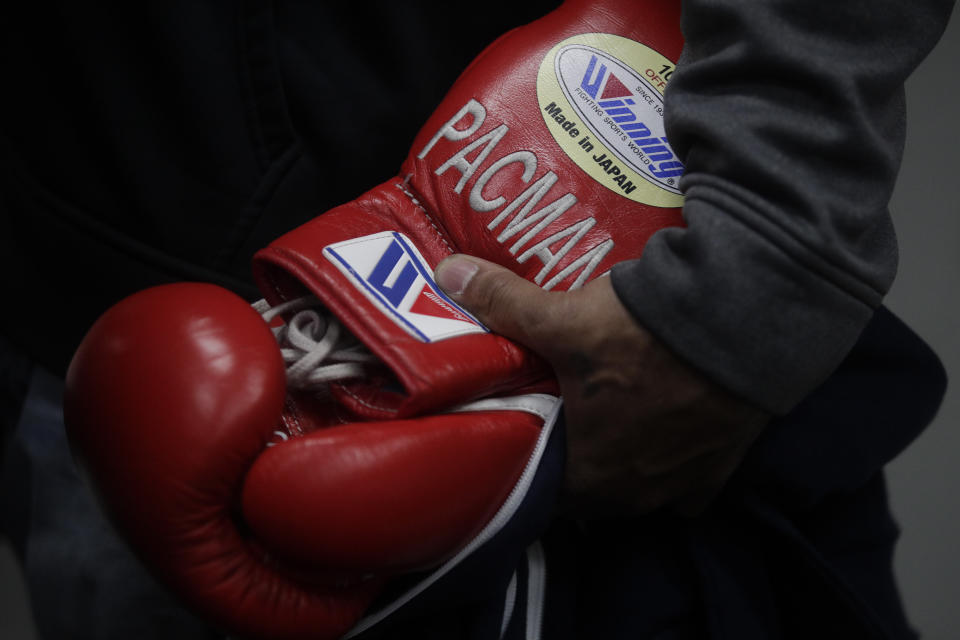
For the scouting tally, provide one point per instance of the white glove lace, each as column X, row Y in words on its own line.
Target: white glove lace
column 314, row 345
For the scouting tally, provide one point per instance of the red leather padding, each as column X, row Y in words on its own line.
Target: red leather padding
column 171, row 396
column 388, row 496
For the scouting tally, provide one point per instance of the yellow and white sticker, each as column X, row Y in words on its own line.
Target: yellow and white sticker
column 601, row 96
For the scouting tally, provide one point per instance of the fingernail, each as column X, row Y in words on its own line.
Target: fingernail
column 455, row 273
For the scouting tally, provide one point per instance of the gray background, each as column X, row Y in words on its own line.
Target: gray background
column 925, row 480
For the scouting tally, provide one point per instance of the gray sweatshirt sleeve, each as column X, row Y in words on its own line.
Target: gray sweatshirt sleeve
column 789, row 117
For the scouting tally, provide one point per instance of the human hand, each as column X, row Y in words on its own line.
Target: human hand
column 644, row 429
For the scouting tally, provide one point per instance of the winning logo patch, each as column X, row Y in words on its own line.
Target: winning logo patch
column 609, row 91
column 389, row 270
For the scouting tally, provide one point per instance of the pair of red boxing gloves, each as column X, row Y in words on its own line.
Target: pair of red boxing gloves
column 276, row 474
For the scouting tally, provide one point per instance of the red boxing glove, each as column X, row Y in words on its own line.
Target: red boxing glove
column 548, row 156
column 170, row 397
column 501, row 170
column 177, row 390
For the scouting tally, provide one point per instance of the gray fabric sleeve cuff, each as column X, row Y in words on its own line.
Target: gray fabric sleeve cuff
column 745, row 315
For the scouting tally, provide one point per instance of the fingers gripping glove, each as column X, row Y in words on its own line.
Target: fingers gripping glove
column 547, row 156
column 177, row 400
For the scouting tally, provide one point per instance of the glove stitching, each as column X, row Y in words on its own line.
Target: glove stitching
column 365, row 403
column 416, row 203
column 294, row 425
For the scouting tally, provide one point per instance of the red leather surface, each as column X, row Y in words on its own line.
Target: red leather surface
column 387, row 496
column 440, row 220
column 433, row 376
column 503, row 80
column 172, row 399
column 171, row 396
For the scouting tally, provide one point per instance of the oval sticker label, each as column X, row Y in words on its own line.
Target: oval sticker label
column 601, row 97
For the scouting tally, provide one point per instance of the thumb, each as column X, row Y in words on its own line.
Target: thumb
column 508, row 304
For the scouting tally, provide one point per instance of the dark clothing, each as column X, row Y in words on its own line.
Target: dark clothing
column 163, row 141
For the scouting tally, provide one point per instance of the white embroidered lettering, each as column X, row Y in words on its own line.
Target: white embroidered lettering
column 551, row 260
column 450, row 131
column 466, row 167
column 481, row 204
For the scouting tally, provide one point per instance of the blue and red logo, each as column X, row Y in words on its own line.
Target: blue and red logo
column 389, row 270
column 622, row 109
column 618, row 102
